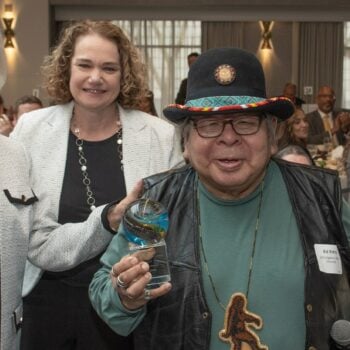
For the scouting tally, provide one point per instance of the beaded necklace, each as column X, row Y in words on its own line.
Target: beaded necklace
column 238, row 319
column 90, row 197
column 251, row 261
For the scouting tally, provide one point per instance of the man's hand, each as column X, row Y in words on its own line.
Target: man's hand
column 130, row 277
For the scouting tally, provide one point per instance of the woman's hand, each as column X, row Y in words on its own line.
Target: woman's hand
column 130, row 277
column 117, row 211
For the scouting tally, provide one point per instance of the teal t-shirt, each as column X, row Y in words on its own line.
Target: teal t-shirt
column 276, row 291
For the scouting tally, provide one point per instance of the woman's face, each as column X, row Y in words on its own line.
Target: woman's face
column 95, row 73
column 300, row 126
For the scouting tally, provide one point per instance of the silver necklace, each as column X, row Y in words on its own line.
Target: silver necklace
column 90, row 197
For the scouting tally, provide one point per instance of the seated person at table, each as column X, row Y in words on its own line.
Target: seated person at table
column 290, row 91
column 295, row 154
column 343, row 123
column 25, row 104
column 294, row 131
column 322, row 121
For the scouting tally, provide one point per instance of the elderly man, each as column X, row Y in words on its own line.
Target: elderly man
column 322, row 123
column 257, row 248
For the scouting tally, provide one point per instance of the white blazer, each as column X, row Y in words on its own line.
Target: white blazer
column 16, row 203
column 150, row 145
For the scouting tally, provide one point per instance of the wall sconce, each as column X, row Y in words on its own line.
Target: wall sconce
column 266, row 35
column 8, row 20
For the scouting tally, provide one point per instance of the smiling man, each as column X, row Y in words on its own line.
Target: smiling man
column 258, row 248
column 322, row 120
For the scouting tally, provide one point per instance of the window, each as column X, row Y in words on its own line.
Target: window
column 346, row 71
column 165, row 46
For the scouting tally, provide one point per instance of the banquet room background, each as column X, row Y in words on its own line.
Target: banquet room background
column 307, row 39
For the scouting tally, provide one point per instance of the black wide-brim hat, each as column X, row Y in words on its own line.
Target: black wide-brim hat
column 226, row 81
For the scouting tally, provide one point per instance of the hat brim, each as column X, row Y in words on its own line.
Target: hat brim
column 281, row 107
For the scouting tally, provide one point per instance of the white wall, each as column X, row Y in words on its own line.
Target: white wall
column 31, row 45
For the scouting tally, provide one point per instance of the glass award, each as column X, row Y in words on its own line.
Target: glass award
column 145, row 225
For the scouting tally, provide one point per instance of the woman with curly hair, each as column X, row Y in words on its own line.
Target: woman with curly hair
column 89, row 149
column 294, row 132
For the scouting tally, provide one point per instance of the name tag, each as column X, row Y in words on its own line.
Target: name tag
column 328, row 258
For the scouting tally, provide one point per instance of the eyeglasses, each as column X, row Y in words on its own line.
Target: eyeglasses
column 245, row 125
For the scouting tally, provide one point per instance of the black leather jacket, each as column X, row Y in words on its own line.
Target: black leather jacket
column 181, row 320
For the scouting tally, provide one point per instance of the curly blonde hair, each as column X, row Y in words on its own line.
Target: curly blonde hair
column 56, row 68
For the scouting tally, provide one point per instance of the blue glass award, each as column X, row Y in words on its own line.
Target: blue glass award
column 145, row 225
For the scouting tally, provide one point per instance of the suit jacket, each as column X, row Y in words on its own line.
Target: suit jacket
column 150, row 145
column 317, row 131
column 16, row 211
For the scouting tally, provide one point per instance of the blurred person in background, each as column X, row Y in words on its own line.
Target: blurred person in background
column 295, row 154
column 290, row 91
column 322, row 121
column 89, row 149
column 25, row 104
column 181, row 95
column 342, row 121
column 294, row 131
column 147, row 104
column 2, row 107
column 6, row 125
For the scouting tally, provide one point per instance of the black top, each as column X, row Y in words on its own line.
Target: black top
column 107, row 184
column 104, row 169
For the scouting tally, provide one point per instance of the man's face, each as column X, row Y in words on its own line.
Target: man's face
column 230, row 165
column 325, row 99
column 27, row 107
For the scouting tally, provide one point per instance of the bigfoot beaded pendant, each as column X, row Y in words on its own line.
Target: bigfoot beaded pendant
column 237, row 323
